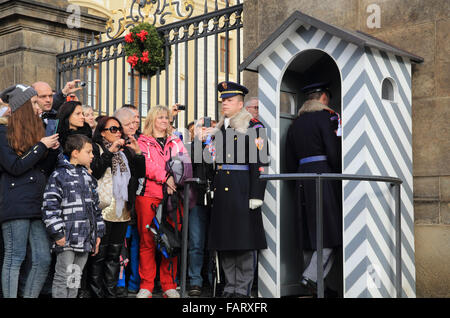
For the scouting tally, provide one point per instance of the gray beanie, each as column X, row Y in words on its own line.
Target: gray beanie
column 17, row 95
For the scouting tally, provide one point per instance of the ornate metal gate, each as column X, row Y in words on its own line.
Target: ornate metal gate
column 205, row 49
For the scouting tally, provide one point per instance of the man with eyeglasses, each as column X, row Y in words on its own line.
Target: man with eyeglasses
column 137, row 118
column 251, row 105
column 50, row 102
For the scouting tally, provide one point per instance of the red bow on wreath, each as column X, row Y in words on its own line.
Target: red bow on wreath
column 133, row 60
column 129, row 38
column 144, row 57
column 142, row 35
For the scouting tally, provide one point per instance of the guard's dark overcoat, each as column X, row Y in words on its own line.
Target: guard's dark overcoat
column 313, row 134
column 233, row 225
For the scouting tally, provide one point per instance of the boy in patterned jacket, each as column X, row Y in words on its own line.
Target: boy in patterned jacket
column 71, row 215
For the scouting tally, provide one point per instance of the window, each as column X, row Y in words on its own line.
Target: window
column 223, row 55
column 288, row 103
column 388, row 89
column 144, row 90
column 92, row 97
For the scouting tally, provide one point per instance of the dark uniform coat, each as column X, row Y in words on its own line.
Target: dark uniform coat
column 313, row 134
column 233, row 225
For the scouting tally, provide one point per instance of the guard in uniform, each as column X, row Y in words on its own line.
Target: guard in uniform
column 236, row 229
column 313, row 146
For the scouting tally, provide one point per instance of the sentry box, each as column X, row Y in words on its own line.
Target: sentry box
column 371, row 89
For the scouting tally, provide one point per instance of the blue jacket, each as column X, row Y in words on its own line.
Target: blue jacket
column 70, row 208
column 23, row 179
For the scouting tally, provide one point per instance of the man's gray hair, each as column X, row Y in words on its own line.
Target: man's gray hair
column 87, row 107
column 123, row 114
column 247, row 103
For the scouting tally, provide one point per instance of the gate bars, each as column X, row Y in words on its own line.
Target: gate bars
column 97, row 60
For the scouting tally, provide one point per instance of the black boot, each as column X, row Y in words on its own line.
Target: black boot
column 84, row 292
column 112, row 268
column 95, row 272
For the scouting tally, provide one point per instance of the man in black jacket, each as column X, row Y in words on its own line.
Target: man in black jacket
column 199, row 215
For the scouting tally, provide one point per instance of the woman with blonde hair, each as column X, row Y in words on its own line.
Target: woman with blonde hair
column 89, row 117
column 158, row 145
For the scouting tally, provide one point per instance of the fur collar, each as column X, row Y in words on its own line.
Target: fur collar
column 238, row 122
column 313, row 106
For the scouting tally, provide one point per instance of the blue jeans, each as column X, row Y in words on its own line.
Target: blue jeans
column 134, row 280
column 198, row 222
column 16, row 235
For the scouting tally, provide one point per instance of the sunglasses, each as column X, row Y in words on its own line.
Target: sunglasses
column 114, row 129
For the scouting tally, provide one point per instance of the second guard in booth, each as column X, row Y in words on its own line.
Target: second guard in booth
column 236, row 228
column 312, row 146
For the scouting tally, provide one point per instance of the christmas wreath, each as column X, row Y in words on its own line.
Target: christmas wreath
column 144, row 49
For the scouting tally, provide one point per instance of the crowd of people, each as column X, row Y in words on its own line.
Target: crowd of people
column 79, row 196
column 78, row 193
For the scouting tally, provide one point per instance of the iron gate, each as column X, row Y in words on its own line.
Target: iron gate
column 209, row 44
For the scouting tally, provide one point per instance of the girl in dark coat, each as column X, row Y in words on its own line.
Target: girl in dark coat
column 27, row 158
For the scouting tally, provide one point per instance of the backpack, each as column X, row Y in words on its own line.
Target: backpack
column 166, row 236
column 179, row 166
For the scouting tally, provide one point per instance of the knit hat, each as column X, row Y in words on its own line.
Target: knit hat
column 17, row 95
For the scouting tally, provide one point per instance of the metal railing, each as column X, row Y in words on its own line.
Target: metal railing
column 319, row 178
column 395, row 182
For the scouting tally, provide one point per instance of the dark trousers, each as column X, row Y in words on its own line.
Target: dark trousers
column 239, row 271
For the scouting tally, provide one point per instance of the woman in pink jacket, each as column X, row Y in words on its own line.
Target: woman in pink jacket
column 158, row 145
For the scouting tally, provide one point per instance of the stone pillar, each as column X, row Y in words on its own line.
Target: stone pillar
column 32, row 33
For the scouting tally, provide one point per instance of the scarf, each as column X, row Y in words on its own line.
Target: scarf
column 121, row 177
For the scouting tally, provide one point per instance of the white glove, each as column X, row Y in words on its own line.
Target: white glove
column 255, row 203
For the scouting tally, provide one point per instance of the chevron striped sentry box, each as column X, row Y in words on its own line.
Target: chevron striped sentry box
column 376, row 140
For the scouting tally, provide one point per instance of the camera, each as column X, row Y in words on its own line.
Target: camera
column 127, row 142
column 207, row 122
column 82, row 84
column 181, row 107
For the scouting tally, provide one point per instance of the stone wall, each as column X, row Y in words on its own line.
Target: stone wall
column 32, row 33
column 420, row 27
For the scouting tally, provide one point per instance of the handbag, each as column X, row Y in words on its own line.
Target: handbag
column 105, row 187
column 167, row 236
